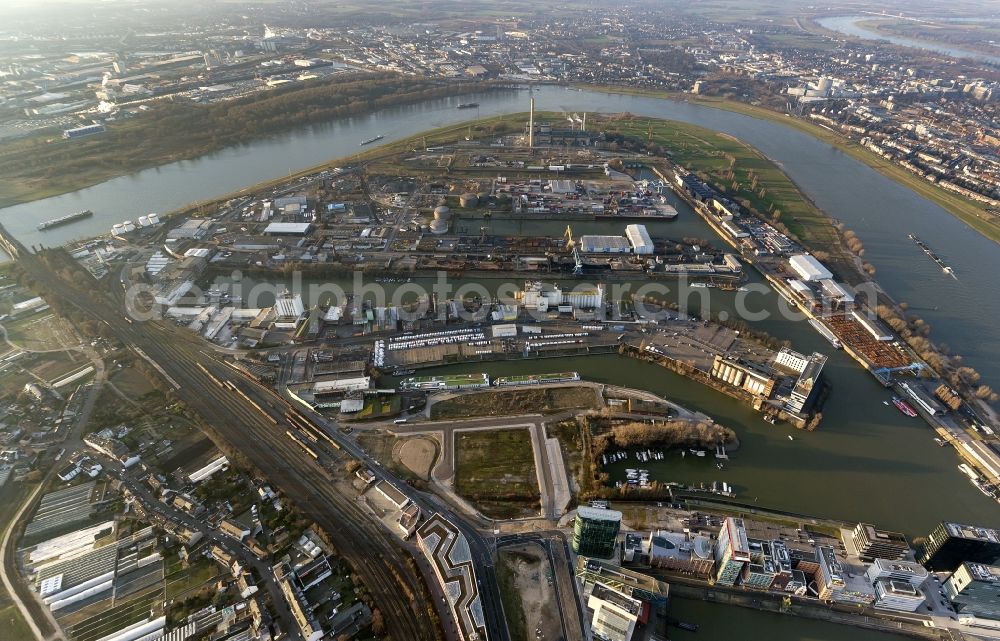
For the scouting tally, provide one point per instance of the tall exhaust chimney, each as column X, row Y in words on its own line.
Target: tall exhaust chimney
column 531, row 123
column 583, row 127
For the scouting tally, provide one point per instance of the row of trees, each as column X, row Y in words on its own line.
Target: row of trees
column 915, row 331
column 676, row 433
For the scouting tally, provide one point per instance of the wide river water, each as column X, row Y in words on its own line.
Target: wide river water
column 850, row 25
column 866, row 461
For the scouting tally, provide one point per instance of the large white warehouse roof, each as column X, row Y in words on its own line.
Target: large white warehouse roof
column 808, row 268
column 639, row 238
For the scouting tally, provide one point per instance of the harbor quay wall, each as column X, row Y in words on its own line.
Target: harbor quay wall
column 702, row 377
column 835, row 613
column 319, row 271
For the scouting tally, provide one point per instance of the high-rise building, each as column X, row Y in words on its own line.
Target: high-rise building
column 951, row 544
column 897, row 595
column 974, row 590
column 886, row 569
column 828, row 580
column 873, row 543
column 732, row 552
column 595, row 532
column 615, row 613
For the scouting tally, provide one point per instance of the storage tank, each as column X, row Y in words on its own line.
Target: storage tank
column 441, row 217
column 129, row 226
column 143, row 221
column 468, row 200
column 118, row 229
column 153, row 219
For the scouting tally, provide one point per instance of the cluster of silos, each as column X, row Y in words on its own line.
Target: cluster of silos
column 442, row 215
column 125, row 227
column 119, row 229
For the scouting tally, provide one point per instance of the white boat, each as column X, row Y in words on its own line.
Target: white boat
column 790, row 438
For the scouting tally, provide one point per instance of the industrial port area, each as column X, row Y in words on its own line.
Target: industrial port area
column 325, row 307
column 560, row 372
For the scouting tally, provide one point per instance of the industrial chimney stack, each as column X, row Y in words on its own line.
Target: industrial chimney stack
column 531, row 123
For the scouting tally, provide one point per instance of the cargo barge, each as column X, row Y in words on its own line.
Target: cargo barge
column 468, row 105
column 371, row 140
column 826, row 333
column 65, row 220
column 937, row 259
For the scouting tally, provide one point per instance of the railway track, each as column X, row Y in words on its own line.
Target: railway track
column 257, row 429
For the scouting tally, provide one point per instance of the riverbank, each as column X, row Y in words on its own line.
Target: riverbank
column 946, row 38
column 963, row 209
column 690, row 589
column 46, row 165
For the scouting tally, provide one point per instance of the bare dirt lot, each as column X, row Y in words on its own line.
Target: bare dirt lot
column 531, row 578
column 417, row 454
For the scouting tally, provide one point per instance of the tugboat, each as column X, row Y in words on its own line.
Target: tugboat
column 904, row 407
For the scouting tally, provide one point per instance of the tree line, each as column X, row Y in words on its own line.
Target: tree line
column 174, row 130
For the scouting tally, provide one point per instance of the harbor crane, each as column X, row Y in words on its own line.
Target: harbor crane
column 884, row 374
column 568, row 235
column 571, row 245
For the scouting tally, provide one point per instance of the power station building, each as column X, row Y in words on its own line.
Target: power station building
column 595, row 532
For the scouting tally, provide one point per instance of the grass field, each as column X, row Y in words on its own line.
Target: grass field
column 496, row 471
column 191, row 578
column 380, row 446
column 41, row 331
column 969, row 212
column 710, row 153
column 14, row 627
column 515, row 401
column 378, row 407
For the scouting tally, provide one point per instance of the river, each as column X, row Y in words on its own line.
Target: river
column 865, row 462
column 864, row 456
column 850, row 25
column 882, row 212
